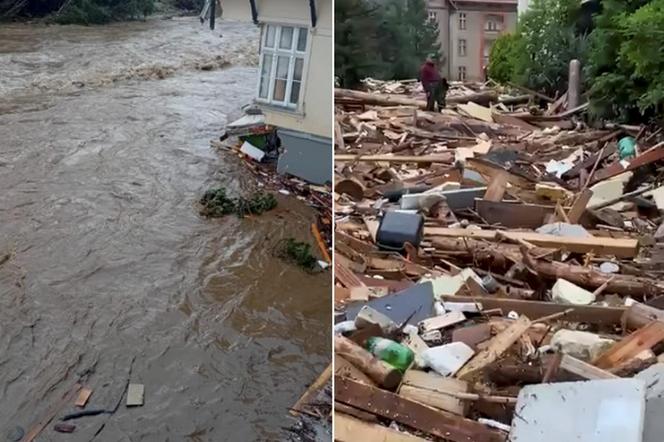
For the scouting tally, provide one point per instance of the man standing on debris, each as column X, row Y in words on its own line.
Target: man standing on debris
column 434, row 86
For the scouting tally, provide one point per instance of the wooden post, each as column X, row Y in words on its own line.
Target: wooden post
column 574, row 84
column 213, row 12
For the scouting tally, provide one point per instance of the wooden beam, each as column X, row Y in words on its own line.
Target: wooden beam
column 349, row 429
column 497, row 186
column 434, row 158
column 623, row 248
column 380, row 372
column 413, row 414
column 583, row 369
column 643, row 339
column 591, row 314
column 319, row 383
column 495, row 348
column 579, row 206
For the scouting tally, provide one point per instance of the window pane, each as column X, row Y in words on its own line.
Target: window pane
column 281, row 79
column 269, row 36
column 297, row 71
column 265, row 76
column 295, row 92
column 286, row 41
column 302, row 40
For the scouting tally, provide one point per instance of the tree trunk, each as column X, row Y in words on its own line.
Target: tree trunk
column 380, row 372
column 399, row 100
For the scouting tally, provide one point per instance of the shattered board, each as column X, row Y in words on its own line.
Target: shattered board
column 609, row 410
column 399, row 306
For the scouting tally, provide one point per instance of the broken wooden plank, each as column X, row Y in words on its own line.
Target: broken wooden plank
column 349, row 429
column 643, row 339
column 413, row 414
column 624, row 248
column 495, row 348
column 442, row 321
column 433, row 158
column 579, row 206
column 38, row 427
column 345, row 276
column 135, row 395
column 83, row 397
column 497, row 186
column 512, row 215
column 434, row 390
column 639, row 315
column 310, row 392
column 472, row 335
column 656, row 153
column 591, row 314
column 583, row 369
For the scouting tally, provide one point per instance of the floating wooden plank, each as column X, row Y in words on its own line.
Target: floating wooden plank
column 434, row 390
column 64, row 400
column 434, row 158
column 83, row 397
column 413, row 414
column 623, row 248
column 497, row 185
column 349, row 429
column 583, row 369
column 319, row 383
column 643, row 339
column 591, row 314
column 579, row 206
column 321, row 243
column 442, row 321
column 513, row 215
column 496, row 347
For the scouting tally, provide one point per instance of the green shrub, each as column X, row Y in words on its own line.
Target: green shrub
column 296, row 252
column 89, row 12
column 216, row 203
column 504, row 57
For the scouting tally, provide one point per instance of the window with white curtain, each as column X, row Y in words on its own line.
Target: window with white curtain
column 283, row 50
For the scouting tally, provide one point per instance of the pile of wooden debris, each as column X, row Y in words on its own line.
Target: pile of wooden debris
column 509, row 256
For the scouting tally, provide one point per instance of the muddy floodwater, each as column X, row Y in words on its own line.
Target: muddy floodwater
column 104, row 260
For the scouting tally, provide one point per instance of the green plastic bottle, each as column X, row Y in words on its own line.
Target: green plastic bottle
column 397, row 355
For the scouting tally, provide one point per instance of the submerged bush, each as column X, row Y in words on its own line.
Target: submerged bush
column 297, row 252
column 216, row 203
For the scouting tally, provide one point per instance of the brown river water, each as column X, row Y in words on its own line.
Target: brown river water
column 104, row 151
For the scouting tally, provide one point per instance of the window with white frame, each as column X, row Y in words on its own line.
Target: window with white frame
column 493, row 23
column 462, row 47
column 462, row 20
column 462, row 73
column 433, row 15
column 283, row 51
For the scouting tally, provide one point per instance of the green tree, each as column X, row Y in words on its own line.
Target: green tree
column 356, row 54
column 549, row 42
column 505, row 54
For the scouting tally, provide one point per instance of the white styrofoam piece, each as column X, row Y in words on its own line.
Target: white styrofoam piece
column 565, row 292
column 608, row 410
column 251, row 150
column 653, row 377
column 447, row 359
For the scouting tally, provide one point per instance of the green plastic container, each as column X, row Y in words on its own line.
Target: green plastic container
column 397, row 355
column 627, row 148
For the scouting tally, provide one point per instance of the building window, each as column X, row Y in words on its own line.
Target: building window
column 462, row 47
column 462, row 20
column 433, row 16
column 462, row 73
column 493, row 23
column 282, row 65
